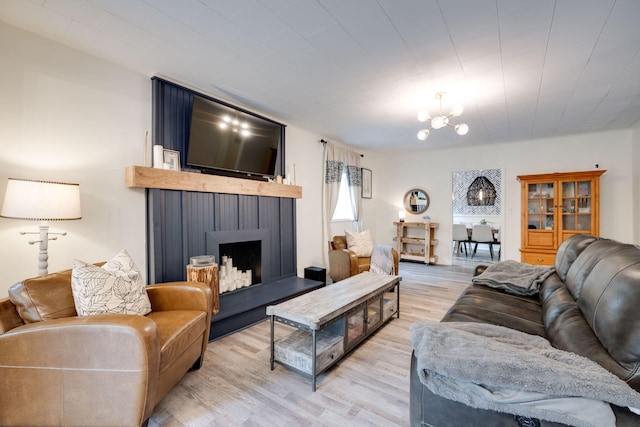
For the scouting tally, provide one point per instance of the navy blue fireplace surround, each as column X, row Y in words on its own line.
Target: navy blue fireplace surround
column 182, row 224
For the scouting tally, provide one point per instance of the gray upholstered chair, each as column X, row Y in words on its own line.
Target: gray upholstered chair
column 460, row 238
column 482, row 234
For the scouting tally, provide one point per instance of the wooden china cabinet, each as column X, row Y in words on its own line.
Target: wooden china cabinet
column 554, row 207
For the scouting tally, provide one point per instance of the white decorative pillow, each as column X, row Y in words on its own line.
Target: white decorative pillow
column 360, row 243
column 116, row 287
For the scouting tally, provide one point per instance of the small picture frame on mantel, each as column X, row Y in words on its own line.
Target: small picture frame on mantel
column 366, row 183
column 171, row 160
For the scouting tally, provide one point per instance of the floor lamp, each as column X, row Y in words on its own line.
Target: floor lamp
column 41, row 201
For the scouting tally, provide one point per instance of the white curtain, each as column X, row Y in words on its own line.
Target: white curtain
column 336, row 159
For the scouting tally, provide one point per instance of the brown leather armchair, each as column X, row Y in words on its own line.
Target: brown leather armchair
column 344, row 263
column 57, row 368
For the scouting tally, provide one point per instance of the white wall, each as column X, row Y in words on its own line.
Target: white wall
column 432, row 171
column 69, row 117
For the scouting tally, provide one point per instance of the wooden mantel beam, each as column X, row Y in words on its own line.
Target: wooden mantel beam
column 144, row 177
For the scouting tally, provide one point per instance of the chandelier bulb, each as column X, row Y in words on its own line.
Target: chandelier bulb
column 457, row 110
column 438, row 122
column 423, row 134
column 461, row 129
column 423, row 116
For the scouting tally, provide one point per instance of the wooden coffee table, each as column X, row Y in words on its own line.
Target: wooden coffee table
column 332, row 321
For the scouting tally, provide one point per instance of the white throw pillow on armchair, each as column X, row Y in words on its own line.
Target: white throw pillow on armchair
column 116, row 287
column 359, row 242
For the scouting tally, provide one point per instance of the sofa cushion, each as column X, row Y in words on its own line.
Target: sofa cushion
column 116, row 287
column 569, row 251
column 177, row 330
column 359, row 242
column 581, row 268
column 44, row 297
column 482, row 304
column 610, row 299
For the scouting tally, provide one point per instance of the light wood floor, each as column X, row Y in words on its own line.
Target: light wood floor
column 369, row 387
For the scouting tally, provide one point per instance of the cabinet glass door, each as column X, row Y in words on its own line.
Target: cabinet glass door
column 576, row 205
column 540, row 206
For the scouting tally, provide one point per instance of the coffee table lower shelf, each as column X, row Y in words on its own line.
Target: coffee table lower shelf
column 312, row 347
column 294, row 350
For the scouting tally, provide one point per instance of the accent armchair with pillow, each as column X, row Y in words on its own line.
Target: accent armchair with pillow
column 106, row 369
column 351, row 254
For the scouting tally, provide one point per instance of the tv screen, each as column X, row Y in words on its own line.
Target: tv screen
column 227, row 139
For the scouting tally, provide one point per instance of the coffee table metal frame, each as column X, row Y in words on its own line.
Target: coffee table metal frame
column 329, row 304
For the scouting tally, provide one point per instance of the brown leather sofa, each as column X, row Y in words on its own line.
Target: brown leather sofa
column 57, row 368
column 589, row 306
column 344, row 263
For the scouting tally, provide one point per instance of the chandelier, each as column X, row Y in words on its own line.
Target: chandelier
column 441, row 120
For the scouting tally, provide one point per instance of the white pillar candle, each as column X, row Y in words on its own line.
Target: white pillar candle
column 158, row 156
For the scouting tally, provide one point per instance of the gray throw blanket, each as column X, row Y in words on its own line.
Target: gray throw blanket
column 501, row 369
column 514, row 277
column 382, row 260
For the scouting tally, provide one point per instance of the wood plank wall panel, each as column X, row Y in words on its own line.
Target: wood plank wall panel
column 199, row 220
column 171, row 116
column 270, row 219
column 154, row 239
column 226, row 213
column 249, row 218
column 171, row 235
column 288, row 261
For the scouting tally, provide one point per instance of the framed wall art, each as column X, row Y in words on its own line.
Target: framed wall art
column 172, row 159
column 366, row 183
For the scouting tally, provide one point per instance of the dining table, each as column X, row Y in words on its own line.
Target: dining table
column 494, row 230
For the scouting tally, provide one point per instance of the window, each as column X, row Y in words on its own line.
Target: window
column 344, row 208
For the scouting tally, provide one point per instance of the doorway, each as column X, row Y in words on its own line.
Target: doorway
column 477, row 200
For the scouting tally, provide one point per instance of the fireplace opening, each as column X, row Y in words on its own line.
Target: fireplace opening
column 240, row 264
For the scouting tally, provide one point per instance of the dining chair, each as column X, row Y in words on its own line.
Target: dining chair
column 497, row 240
column 460, row 238
column 482, row 234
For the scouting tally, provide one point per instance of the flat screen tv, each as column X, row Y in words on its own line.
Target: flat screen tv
column 223, row 138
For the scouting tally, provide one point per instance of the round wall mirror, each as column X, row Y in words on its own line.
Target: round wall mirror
column 416, row 201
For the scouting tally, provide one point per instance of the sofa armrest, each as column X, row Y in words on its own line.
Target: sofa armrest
column 62, row 371
column 180, row 296
column 184, row 296
column 343, row 263
column 396, row 260
column 9, row 317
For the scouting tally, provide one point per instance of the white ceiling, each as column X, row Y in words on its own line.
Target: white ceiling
column 357, row 71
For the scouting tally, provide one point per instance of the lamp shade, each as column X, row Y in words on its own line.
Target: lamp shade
column 41, row 200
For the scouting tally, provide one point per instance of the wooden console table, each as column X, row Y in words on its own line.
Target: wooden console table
column 416, row 241
column 332, row 321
